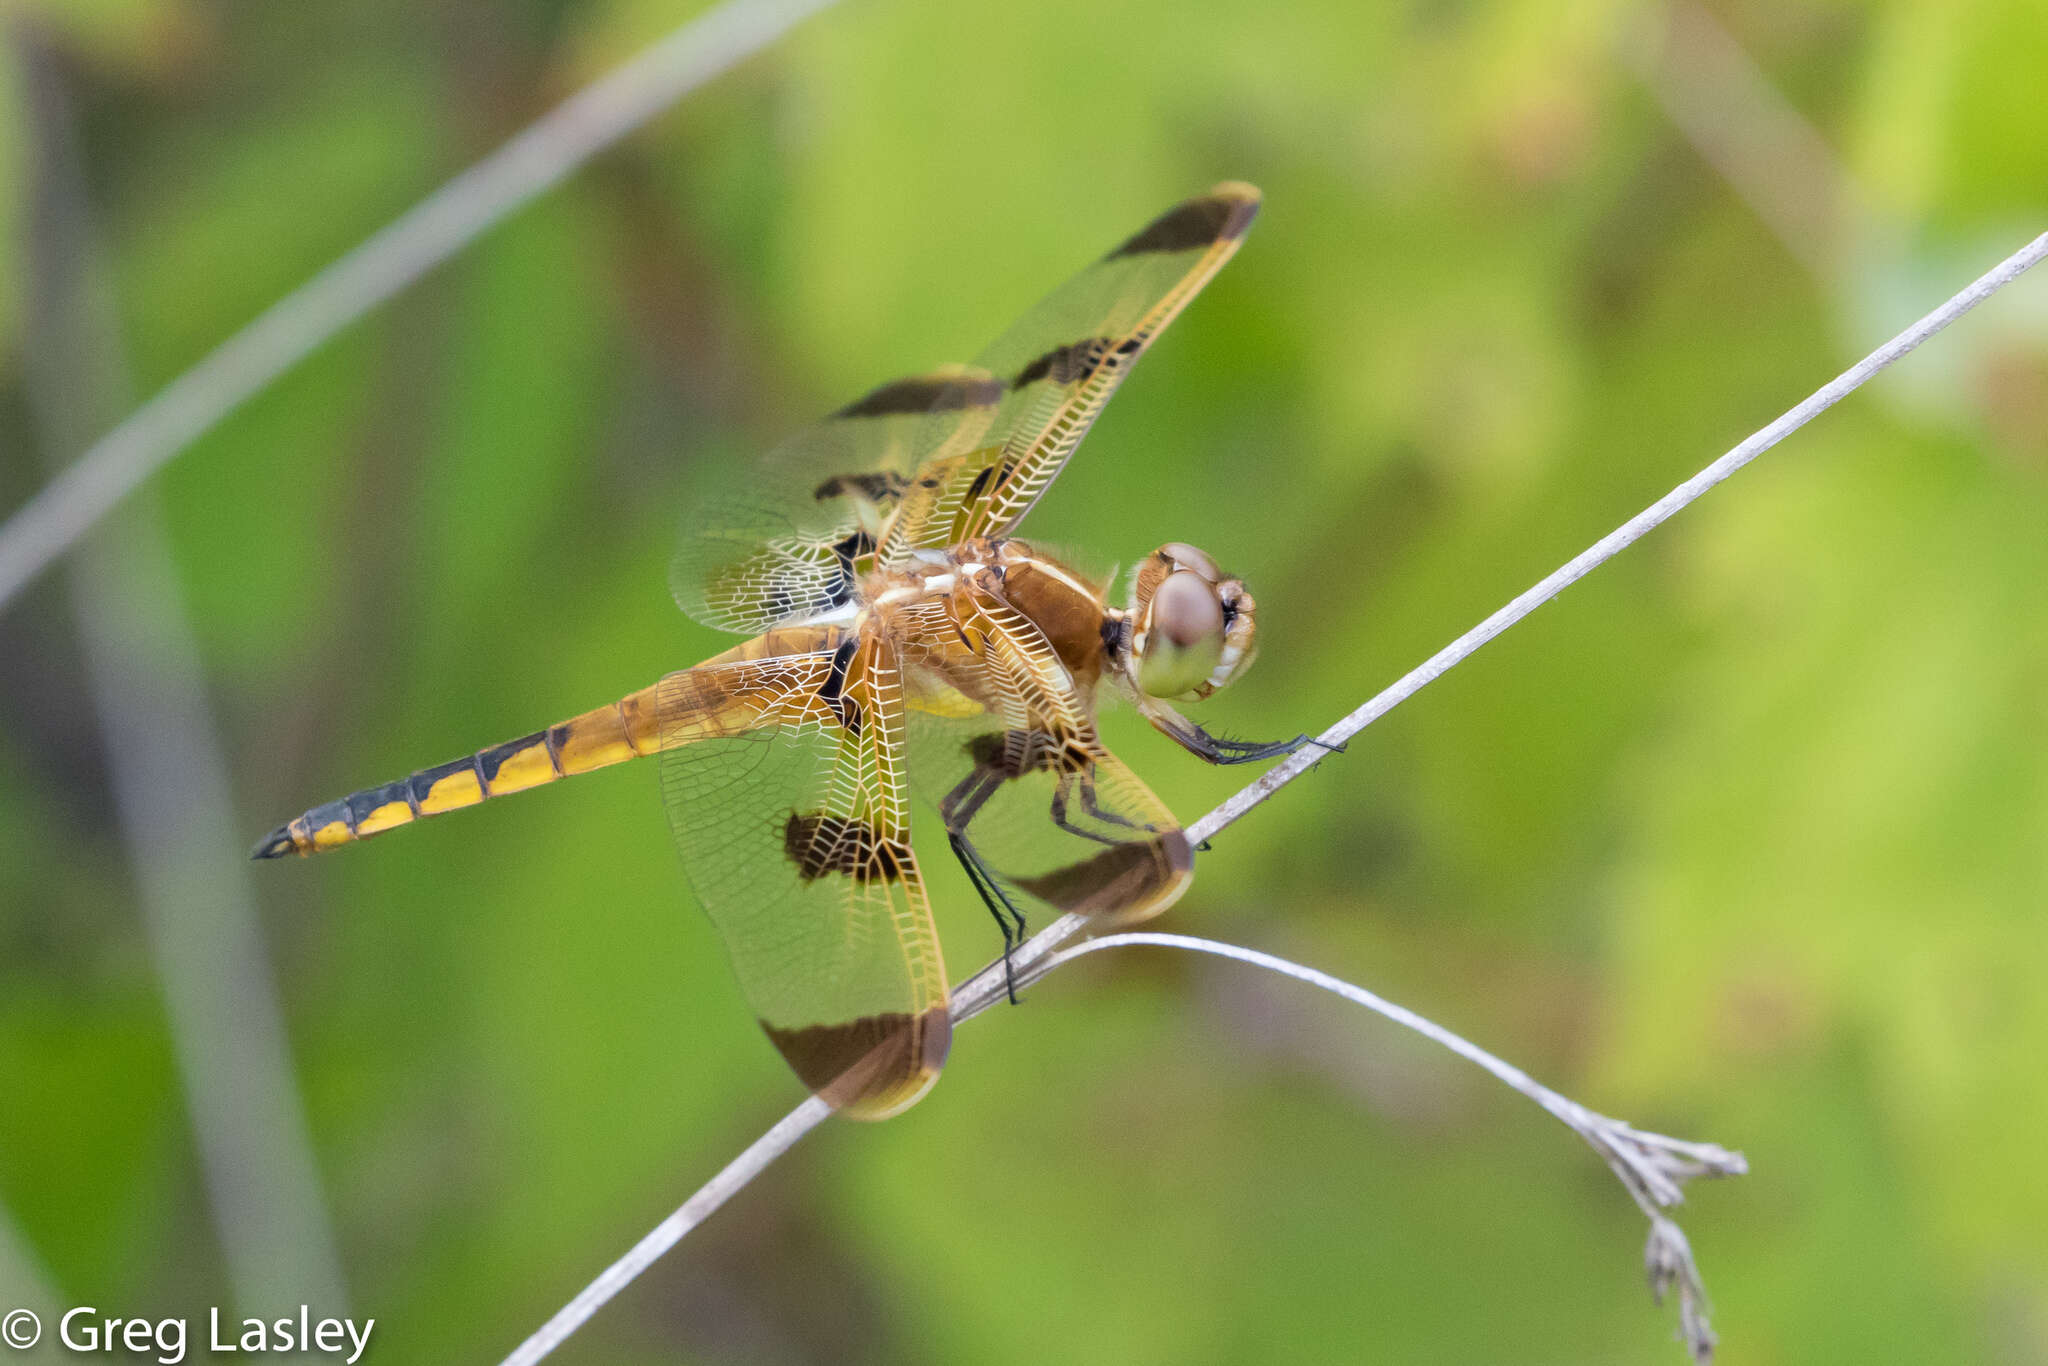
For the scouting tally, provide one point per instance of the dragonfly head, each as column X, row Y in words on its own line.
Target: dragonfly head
column 1192, row 626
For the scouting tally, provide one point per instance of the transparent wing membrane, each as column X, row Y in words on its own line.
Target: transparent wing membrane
column 1059, row 365
column 784, row 786
column 792, row 541
column 926, row 462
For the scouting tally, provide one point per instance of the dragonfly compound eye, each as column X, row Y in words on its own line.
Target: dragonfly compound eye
column 1181, row 555
column 1183, row 639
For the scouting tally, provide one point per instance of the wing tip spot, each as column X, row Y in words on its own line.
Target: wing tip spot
column 873, row 1067
column 1221, row 215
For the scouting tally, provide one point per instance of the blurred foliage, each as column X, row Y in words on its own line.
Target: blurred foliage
column 1743, row 838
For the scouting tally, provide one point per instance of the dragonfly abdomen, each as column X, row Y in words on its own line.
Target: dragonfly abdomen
column 597, row 739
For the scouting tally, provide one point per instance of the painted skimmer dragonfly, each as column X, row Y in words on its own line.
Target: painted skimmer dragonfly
column 900, row 631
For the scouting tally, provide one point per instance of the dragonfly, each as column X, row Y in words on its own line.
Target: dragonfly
column 900, row 635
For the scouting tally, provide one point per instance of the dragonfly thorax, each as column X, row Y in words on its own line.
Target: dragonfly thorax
column 939, row 604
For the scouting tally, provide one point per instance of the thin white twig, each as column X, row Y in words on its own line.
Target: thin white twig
column 1653, row 1168
column 1623, row 536
column 423, row 237
column 1650, row 1166
column 671, row 1230
column 172, row 795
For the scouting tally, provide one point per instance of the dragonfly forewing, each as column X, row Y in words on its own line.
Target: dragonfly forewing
column 794, row 541
column 1061, row 362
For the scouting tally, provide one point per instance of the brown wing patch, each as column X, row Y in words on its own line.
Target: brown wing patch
column 1069, row 363
column 878, row 1064
column 945, row 392
column 1014, row 753
column 1125, row 882
column 1221, row 215
column 819, row 845
column 881, row 488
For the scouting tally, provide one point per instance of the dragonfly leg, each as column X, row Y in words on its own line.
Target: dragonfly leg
column 1251, row 751
column 1059, row 813
column 1215, row 749
column 956, row 809
column 1093, row 806
column 959, row 806
column 1102, row 813
column 998, row 903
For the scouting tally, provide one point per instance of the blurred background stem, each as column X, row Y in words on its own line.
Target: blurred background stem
column 462, row 209
column 24, row 1282
column 170, row 782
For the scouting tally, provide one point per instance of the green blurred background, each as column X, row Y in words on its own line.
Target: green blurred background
column 1745, row 838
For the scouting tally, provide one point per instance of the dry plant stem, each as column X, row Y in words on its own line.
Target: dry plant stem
column 433, row 230
column 1647, row 1164
column 1651, row 1167
column 671, row 1230
column 1623, row 536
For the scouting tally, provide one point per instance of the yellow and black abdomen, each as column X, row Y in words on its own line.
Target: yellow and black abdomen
column 609, row 735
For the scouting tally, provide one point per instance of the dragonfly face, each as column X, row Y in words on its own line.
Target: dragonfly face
column 1193, row 628
column 901, row 636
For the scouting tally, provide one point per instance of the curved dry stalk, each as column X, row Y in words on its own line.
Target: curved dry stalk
column 1653, row 1168
column 1649, row 1165
column 461, row 210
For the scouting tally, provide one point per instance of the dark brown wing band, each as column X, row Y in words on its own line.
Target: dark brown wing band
column 870, row 1068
